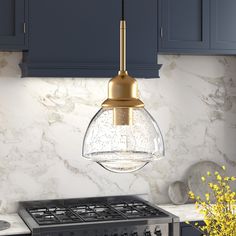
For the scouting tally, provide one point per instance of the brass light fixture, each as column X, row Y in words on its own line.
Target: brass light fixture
column 123, row 136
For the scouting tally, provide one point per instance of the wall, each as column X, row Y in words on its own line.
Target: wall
column 42, row 123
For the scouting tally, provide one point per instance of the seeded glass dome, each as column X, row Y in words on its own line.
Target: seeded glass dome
column 123, row 136
column 123, row 148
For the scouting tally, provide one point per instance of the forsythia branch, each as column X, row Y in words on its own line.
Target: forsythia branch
column 220, row 215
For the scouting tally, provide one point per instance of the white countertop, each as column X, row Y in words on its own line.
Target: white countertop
column 186, row 212
column 17, row 225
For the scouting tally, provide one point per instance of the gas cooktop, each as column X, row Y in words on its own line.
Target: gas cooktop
column 91, row 210
column 107, row 212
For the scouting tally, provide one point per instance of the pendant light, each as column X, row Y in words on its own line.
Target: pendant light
column 123, row 136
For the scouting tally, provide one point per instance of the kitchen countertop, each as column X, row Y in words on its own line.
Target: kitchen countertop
column 17, row 225
column 186, row 212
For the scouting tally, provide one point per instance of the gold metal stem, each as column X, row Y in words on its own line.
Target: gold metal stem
column 122, row 47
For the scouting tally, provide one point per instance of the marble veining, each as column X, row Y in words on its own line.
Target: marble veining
column 187, row 212
column 43, row 120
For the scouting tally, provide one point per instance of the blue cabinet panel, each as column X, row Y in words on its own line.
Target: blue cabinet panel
column 223, row 28
column 188, row 230
column 184, row 24
column 13, row 24
column 80, row 38
column 197, row 27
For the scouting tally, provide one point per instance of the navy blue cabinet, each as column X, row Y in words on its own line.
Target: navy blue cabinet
column 80, row 38
column 197, row 26
column 184, row 24
column 188, row 230
column 13, row 14
column 223, row 31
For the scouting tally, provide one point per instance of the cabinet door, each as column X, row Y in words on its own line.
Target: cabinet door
column 223, row 23
column 184, row 24
column 80, row 38
column 188, row 230
column 12, row 19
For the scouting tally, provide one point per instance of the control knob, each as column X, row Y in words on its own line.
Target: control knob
column 157, row 231
column 147, row 232
column 134, row 234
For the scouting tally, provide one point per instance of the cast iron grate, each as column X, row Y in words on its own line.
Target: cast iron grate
column 50, row 214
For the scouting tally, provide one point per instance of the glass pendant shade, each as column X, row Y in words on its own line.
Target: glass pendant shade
column 123, row 147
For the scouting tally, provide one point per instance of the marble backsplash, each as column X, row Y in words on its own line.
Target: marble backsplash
column 43, row 120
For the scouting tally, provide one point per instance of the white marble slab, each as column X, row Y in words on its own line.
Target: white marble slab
column 185, row 212
column 17, row 225
column 43, row 121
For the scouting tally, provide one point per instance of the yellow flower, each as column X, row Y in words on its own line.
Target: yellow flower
column 215, row 187
column 220, row 217
column 218, row 177
column 191, row 195
column 207, row 195
column 211, row 185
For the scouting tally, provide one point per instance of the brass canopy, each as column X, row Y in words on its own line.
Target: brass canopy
column 123, row 92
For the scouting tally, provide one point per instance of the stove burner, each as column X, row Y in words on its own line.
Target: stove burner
column 76, row 212
column 53, row 215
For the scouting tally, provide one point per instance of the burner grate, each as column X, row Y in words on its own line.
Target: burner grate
column 137, row 210
column 53, row 215
column 95, row 212
column 92, row 212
